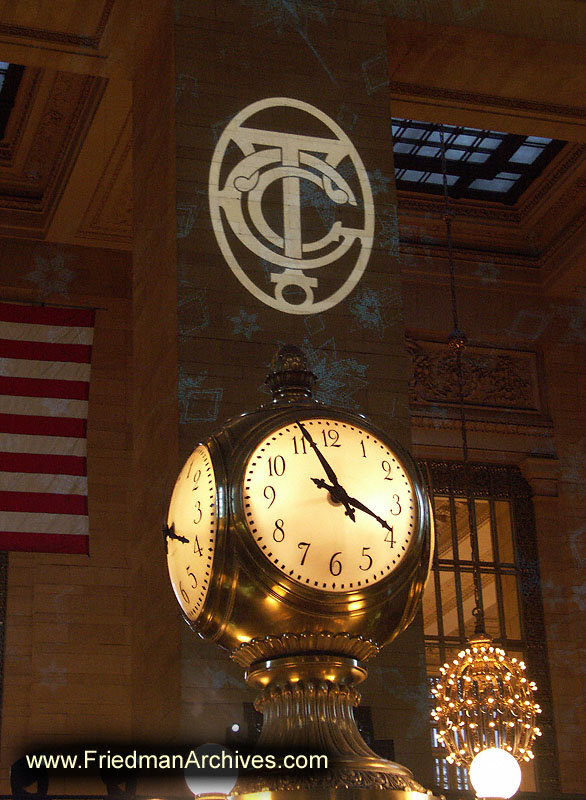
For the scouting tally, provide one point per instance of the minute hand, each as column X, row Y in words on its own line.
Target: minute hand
column 328, row 470
column 361, row 507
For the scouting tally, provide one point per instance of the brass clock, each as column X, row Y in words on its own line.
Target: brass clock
column 299, row 538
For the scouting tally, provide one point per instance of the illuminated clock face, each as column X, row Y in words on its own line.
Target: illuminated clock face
column 329, row 504
column 191, row 535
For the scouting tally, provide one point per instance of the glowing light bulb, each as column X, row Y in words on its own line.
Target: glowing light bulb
column 495, row 773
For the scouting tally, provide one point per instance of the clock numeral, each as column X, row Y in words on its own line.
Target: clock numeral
column 366, row 555
column 197, row 547
column 300, row 546
column 278, row 532
column 387, row 467
column 391, row 541
column 270, row 495
column 301, row 448
column 276, row 466
column 331, row 440
column 336, row 564
column 184, row 594
column 199, row 513
column 196, row 476
column 397, row 506
column 363, row 448
column 191, row 575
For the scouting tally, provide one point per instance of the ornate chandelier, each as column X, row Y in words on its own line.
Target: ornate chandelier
column 483, row 699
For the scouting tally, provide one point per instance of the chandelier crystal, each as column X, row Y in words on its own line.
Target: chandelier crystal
column 483, row 699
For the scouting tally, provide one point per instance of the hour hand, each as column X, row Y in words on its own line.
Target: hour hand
column 169, row 533
column 361, row 507
column 338, row 495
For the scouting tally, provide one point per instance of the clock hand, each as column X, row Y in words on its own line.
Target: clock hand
column 169, row 533
column 337, row 493
column 357, row 504
column 328, row 470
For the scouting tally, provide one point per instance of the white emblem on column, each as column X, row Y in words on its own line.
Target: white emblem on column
column 273, row 242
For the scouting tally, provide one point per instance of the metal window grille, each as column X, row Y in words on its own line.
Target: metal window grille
column 510, row 596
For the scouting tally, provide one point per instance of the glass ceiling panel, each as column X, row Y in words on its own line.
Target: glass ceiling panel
column 488, row 165
column 10, row 76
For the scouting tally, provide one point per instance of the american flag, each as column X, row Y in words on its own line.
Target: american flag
column 44, row 386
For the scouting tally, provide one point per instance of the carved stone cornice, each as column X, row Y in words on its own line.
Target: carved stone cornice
column 43, row 35
column 492, row 378
column 428, row 421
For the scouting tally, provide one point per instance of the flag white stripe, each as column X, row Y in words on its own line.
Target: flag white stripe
column 43, row 406
column 48, row 445
column 47, row 484
column 21, row 522
column 56, row 334
column 49, row 370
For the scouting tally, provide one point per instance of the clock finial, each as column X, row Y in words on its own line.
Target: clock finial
column 290, row 379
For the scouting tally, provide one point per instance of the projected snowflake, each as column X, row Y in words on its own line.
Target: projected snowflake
column 388, row 230
column 376, row 311
column 379, row 183
column 51, row 276
column 313, row 196
column 244, row 324
column 296, row 15
column 339, row 379
column 488, row 272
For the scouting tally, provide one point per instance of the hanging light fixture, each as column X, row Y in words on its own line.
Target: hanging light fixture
column 483, row 700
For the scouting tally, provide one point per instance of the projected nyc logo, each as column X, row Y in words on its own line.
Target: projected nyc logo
column 291, row 206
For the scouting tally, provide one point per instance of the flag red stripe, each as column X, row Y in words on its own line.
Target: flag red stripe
column 42, row 463
column 44, row 542
column 43, row 426
column 40, row 387
column 66, row 317
column 45, row 351
column 43, row 503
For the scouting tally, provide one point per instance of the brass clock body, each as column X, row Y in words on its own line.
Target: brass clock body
column 358, row 578
column 299, row 538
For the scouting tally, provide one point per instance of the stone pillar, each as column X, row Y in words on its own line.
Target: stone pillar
column 300, row 82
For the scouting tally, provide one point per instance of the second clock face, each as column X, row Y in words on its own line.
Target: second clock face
column 193, row 521
column 329, row 504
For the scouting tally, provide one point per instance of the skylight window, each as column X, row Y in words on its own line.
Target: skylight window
column 482, row 164
column 10, row 77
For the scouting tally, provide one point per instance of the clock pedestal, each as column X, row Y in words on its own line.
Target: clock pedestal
column 307, row 696
column 299, row 539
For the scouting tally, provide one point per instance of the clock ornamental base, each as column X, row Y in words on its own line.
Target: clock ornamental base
column 307, row 702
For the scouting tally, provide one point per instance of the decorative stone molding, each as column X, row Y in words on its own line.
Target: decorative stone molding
column 493, row 378
column 91, row 41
